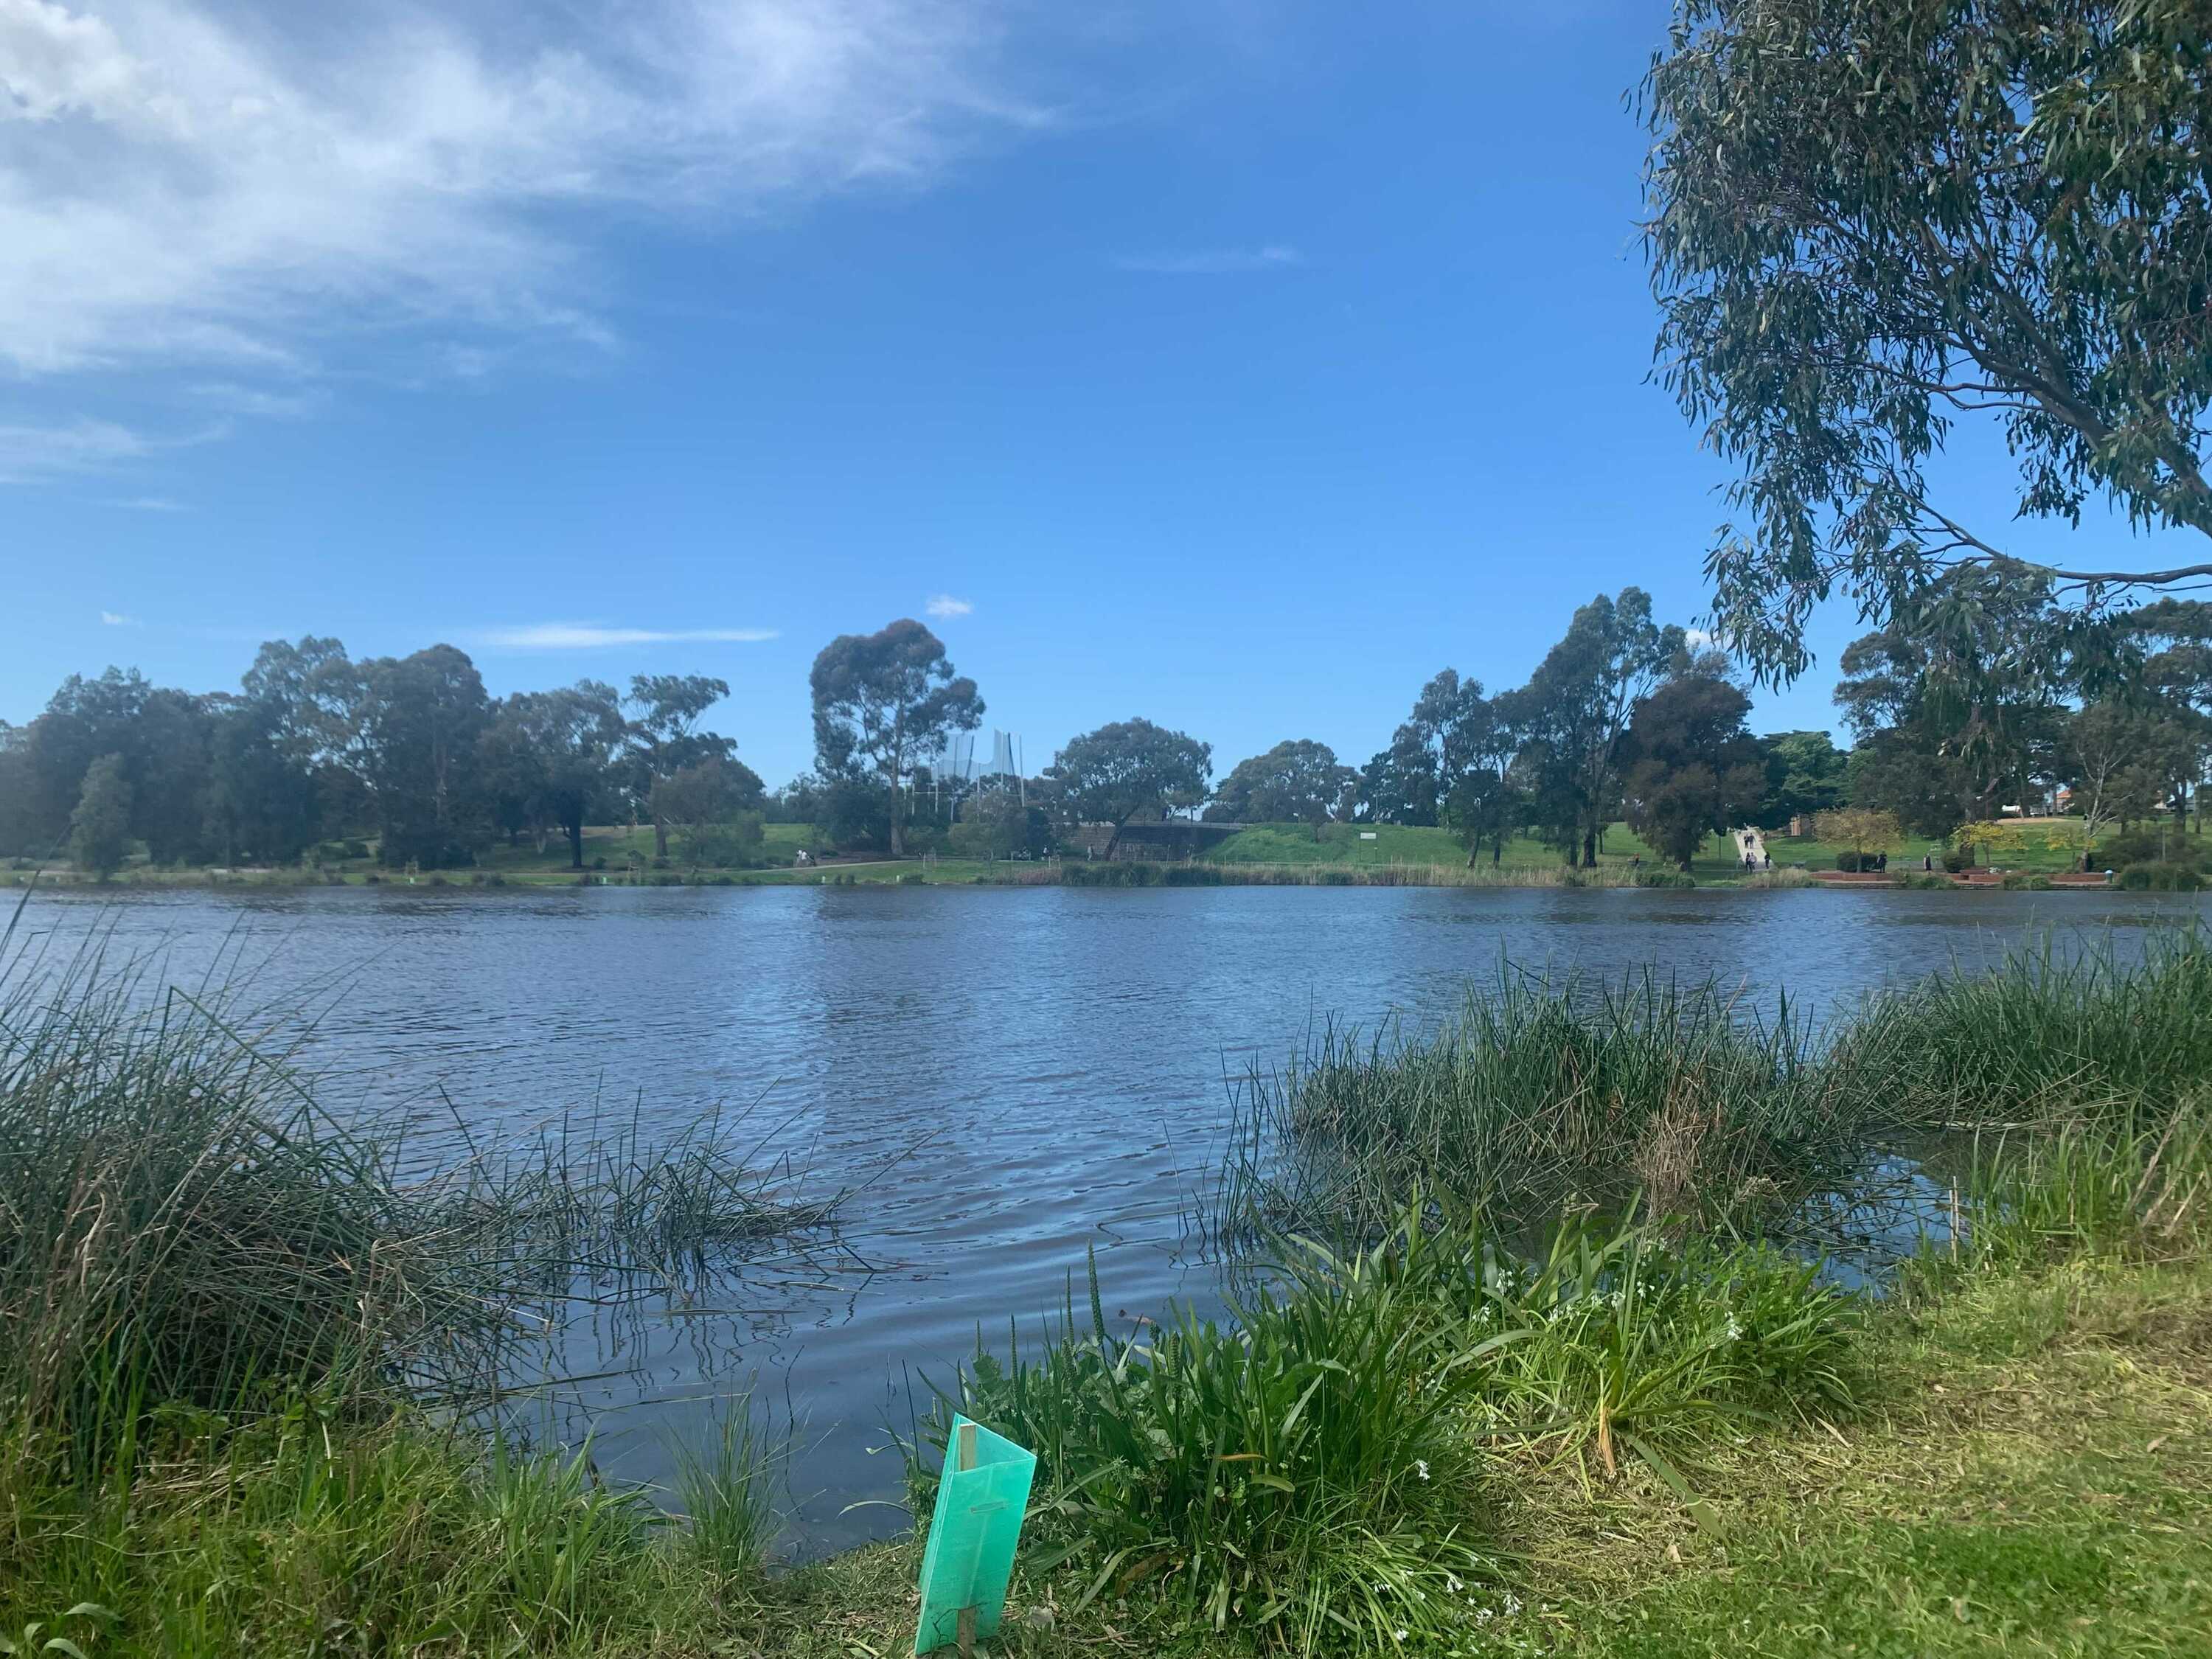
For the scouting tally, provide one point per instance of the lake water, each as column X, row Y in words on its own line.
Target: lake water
column 1020, row 1075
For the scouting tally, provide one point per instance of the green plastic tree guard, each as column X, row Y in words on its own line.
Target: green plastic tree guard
column 981, row 1500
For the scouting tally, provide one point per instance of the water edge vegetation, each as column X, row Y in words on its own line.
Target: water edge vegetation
column 242, row 1359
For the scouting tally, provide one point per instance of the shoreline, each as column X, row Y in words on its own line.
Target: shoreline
column 1119, row 874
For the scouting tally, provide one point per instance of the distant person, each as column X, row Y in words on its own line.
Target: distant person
column 1928, row 862
column 1881, row 861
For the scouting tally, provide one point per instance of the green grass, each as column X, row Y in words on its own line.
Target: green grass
column 1539, row 1089
column 1340, row 844
column 235, row 1353
column 1264, row 853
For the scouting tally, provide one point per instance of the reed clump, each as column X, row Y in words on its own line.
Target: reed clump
column 1134, row 872
column 1541, row 1089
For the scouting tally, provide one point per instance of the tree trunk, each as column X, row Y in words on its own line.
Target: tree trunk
column 1496, row 851
column 1114, row 840
column 1589, row 849
column 575, row 843
column 660, row 836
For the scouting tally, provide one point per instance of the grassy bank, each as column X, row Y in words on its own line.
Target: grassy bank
column 1263, row 854
column 244, row 1388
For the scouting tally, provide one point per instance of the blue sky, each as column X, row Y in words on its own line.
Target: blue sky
column 1235, row 364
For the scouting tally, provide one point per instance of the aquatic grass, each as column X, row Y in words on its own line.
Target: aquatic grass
column 2040, row 1033
column 183, row 1223
column 1297, row 1473
column 1132, row 872
column 1543, row 1089
column 1317, row 1473
column 1538, row 1090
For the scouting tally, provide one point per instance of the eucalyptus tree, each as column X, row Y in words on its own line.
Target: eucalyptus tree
column 1296, row 782
column 1693, row 765
column 883, row 702
column 1131, row 769
column 665, row 738
column 557, row 754
column 1574, row 713
column 1872, row 220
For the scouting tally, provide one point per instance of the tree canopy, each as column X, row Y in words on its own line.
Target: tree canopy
column 1130, row 768
column 1871, row 220
column 1693, row 767
column 1298, row 780
column 885, row 701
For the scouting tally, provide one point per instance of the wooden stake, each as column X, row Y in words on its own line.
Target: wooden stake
column 965, row 1458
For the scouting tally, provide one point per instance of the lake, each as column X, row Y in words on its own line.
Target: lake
column 1020, row 1075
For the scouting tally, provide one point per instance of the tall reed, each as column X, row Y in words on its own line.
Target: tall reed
column 1543, row 1088
column 182, row 1222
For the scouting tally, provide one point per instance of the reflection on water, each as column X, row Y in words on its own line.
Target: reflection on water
column 1011, row 1077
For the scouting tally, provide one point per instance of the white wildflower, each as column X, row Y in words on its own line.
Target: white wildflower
column 1421, row 1467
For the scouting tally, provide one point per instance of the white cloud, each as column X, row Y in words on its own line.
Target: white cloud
column 1698, row 638
column 117, row 619
column 257, row 401
column 943, row 607
column 28, row 453
column 588, row 636
column 150, row 504
column 1213, row 262
column 253, row 183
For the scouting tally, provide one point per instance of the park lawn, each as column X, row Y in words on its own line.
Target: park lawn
column 2035, row 1478
column 1340, row 844
column 1394, row 844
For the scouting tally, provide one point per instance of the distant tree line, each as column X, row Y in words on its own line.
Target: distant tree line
column 410, row 752
column 1624, row 718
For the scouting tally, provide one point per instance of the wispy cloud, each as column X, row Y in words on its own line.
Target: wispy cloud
column 117, row 619
column 258, row 184
column 943, row 607
column 30, row 453
column 592, row 636
column 259, row 402
column 150, row 504
column 1213, row 262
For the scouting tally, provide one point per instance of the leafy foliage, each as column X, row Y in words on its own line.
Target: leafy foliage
column 884, row 702
column 1693, row 766
column 1296, row 782
column 1870, row 219
column 1131, row 769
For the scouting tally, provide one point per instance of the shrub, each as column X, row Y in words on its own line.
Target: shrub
column 2020, row 881
column 912, row 878
column 2161, row 878
column 2154, row 843
column 1921, row 880
column 1849, row 861
column 1958, row 860
column 1665, row 878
